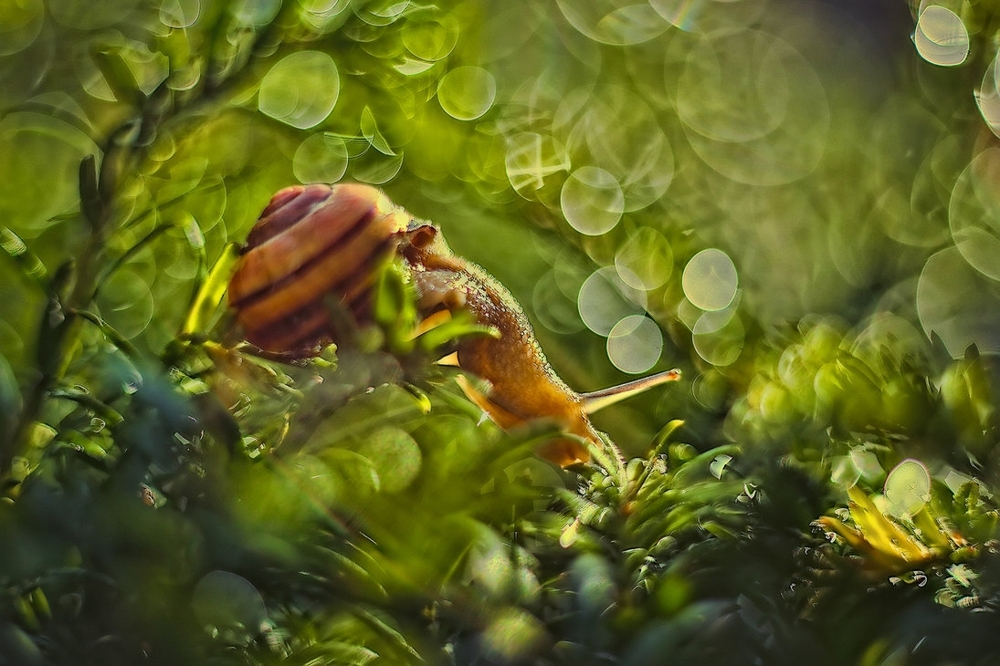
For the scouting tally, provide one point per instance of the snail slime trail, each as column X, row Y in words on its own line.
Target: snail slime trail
column 311, row 258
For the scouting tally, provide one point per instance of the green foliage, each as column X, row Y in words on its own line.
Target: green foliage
column 797, row 205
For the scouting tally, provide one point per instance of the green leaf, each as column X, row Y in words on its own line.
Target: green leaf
column 51, row 332
column 31, row 266
column 17, row 646
column 394, row 307
column 459, row 325
column 211, row 292
column 10, row 398
column 663, row 437
column 90, row 196
column 85, row 399
column 113, row 265
column 391, row 635
column 116, row 338
column 361, row 580
column 370, row 130
column 118, row 75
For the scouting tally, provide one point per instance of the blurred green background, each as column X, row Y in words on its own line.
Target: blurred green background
column 795, row 202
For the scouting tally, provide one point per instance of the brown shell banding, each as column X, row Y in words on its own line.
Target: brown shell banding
column 286, row 208
column 297, row 334
column 323, row 275
column 297, row 233
column 312, row 241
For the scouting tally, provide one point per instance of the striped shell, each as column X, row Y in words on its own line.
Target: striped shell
column 311, row 243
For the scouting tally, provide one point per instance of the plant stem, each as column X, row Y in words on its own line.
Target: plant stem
column 59, row 328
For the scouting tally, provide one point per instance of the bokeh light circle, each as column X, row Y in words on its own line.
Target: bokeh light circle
column 605, row 299
column 552, row 307
column 325, row 16
column 254, row 12
column 635, row 344
column 34, row 144
column 126, row 302
column 380, row 14
column 179, row 13
column 592, row 201
column 320, row 158
column 615, row 128
column 924, row 222
column 974, row 213
column 710, row 280
column 467, row 93
column 179, row 262
column 753, row 108
column 907, row 488
column 225, row 601
column 941, row 37
column 645, row 260
column 680, row 13
column 301, row 89
column 988, row 96
column 703, row 16
column 20, row 24
column 723, row 91
column 532, row 158
column 614, row 22
column 431, row 40
column 958, row 303
column 396, row 456
column 718, row 337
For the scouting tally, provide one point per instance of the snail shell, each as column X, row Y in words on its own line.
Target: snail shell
column 310, row 243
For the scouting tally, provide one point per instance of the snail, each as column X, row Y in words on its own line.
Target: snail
column 312, row 256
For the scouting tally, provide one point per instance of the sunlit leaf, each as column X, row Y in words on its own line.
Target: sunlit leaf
column 211, row 292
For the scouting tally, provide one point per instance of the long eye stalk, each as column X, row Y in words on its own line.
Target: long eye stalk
column 596, row 400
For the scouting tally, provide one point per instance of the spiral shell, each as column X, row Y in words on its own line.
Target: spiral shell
column 313, row 247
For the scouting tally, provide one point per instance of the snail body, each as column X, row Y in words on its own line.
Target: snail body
column 523, row 386
column 314, row 251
